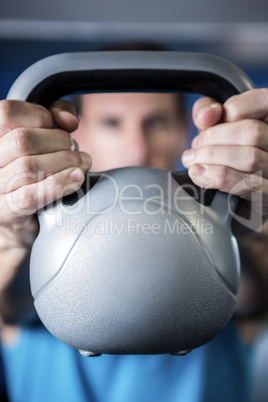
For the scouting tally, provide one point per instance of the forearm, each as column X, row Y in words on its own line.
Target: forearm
column 16, row 304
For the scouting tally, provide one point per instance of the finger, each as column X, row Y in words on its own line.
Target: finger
column 64, row 115
column 30, row 169
column 243, row 158
column 246, row 132
column 18, row 206
column 15, row 114
column 252, row 104
column 206, row 112
column 227, row 179
column 29, row 141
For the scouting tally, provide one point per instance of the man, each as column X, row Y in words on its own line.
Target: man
column 117, row 130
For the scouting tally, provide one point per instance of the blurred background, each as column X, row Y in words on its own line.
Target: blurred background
column 30, row 30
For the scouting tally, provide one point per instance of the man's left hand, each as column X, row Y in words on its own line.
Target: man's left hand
column 230, row 153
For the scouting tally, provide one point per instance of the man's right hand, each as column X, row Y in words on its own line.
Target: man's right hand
column 39, row 163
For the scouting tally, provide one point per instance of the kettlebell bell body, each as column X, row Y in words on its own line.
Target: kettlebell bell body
column 136, row 265
column 134, row 262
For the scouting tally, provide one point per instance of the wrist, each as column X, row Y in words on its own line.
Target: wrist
column 22, row 237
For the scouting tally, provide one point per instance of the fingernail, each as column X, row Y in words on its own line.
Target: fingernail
column 86, row 159
column 69, row 118
column 197, row 170
column 196, row 142
column 74, row 144
column 205, row 109
column 67, row 114
column 188, row 156
column 77, row 175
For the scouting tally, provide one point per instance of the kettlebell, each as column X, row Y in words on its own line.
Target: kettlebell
column 139, row 260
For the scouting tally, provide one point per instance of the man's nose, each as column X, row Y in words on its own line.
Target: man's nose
column 136, row 148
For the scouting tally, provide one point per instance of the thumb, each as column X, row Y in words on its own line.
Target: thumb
column 206, row 113
column 64, row 115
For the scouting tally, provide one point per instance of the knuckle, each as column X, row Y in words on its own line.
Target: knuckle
column 221, row 179
column 26, row 199
column 52, row 186
column 209, row 152
column 264, row 94
column 44, row 117
column 253, row 131
column 54, row 182
column 72, row 157
column 232, row 109
column 21, row 140
column 244, row 187
column 55, row 188
column 66, row 139
column 252, row 158
column 6, row 107
column 207, row 135
column 67, row 156
column 25, row 165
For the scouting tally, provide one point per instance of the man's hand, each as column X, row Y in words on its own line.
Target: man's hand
column 39, row 163
column 231, row 151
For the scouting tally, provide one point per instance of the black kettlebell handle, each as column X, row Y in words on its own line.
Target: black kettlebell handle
column 132, row 71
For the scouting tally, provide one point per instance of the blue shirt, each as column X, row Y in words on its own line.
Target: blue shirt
column 2, row 381
column 41, row 368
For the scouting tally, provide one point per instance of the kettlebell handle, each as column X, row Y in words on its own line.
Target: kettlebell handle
column 132, row 71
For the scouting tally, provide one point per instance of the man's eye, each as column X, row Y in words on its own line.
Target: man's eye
column 110, row 123
column 156, row 123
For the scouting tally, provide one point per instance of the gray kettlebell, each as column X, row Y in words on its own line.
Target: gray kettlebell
column 139, row 260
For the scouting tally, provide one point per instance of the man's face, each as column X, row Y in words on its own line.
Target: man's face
column 131, row 129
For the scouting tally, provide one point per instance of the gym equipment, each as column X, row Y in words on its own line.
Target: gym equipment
column 139, row 260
